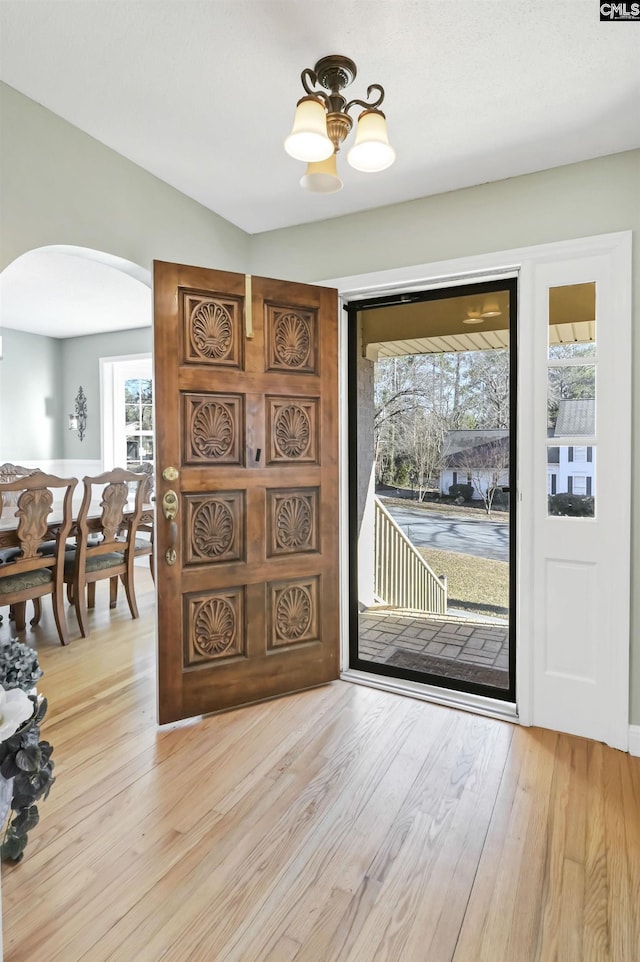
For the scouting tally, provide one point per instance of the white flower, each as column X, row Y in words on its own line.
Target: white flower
column 15, row 708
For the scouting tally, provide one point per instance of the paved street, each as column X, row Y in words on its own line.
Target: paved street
column 427, row 529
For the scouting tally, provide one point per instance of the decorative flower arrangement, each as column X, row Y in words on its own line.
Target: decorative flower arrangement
column 26, row 768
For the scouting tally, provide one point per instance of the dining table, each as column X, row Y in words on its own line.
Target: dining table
column 9, row 519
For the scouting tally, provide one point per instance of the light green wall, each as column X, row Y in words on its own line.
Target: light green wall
column 39, row 380
column 81, row 367
column 30, row 413
column 60, row 186
column 595, row 197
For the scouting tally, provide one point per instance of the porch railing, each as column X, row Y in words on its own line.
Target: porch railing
column 403, row 577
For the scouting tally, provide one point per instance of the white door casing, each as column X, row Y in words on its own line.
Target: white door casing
column 573, row 575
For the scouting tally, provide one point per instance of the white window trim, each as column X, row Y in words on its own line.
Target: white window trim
column 113, row 370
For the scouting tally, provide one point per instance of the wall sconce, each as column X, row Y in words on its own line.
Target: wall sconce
column 78, row 421
column 322, row 122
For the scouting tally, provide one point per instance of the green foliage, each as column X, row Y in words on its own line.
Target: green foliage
column 464, row 491
column 571, row 505
column 568, row 383
column 402, row 473
column 27, row 760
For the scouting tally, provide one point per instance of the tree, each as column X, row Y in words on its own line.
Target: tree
column 489, row 389
column 425, row 453
column 419, row 397
column 486, row 466
column 569, row 383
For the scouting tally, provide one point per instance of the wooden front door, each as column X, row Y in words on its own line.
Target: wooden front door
column 247, row 458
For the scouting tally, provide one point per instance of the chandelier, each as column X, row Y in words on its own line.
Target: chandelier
column 322, row 122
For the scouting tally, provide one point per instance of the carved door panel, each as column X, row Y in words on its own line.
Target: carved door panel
column 246, row 414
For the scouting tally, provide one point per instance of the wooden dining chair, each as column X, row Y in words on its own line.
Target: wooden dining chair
column 29, row 574
column 145, row 544
column 11, row 472
column 105, row 540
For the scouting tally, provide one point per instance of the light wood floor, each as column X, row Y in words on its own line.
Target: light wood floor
column 339, row 825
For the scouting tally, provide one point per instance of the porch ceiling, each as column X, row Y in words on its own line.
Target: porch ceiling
column 438, row 326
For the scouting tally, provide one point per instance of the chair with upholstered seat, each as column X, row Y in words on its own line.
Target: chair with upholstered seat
column 28, row 574
column 105, row 540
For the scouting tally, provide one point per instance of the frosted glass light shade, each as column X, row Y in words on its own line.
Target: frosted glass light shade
column 372, row 150
column 491, row 309
column 322, row 176
column 308, row 139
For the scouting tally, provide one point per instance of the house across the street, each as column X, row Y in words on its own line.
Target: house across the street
column 571, row 467
column 479, row 458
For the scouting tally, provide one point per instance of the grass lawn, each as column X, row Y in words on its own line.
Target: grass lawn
column 475, row 584
column 467, row 510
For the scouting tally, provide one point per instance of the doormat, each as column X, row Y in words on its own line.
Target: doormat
column 448, row 668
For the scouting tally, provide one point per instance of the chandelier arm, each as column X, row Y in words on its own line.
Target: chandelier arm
column 308, row 76
column 309, row 80
column 363, row 103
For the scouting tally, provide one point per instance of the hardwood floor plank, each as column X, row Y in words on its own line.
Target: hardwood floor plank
column 505, row 906
column 336, row 852
column 424, row 848
column 135, row 849
column 597, row 934
column 342, row 824
column 240, row 881
column 623, row 900
column 563, row 833
column 197, row 856
column 630, row 781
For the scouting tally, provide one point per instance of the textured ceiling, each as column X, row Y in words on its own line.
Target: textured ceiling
column 202, row 94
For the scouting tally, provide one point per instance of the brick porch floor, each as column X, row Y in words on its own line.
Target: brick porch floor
column 385, row 631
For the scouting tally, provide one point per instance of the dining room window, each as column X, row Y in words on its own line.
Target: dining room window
column 138, row 418
column 127, row 403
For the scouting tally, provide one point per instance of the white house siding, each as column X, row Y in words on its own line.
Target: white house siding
column 581, row 472
column 449, row 477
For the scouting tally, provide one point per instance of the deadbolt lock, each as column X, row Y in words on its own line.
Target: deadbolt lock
column 170, row 504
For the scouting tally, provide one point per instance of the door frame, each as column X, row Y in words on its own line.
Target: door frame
column 468, row 687
column 520, row 263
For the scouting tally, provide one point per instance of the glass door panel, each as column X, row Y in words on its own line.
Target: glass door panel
column 433, row 455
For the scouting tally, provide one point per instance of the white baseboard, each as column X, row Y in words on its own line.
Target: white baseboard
column 634, row 740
